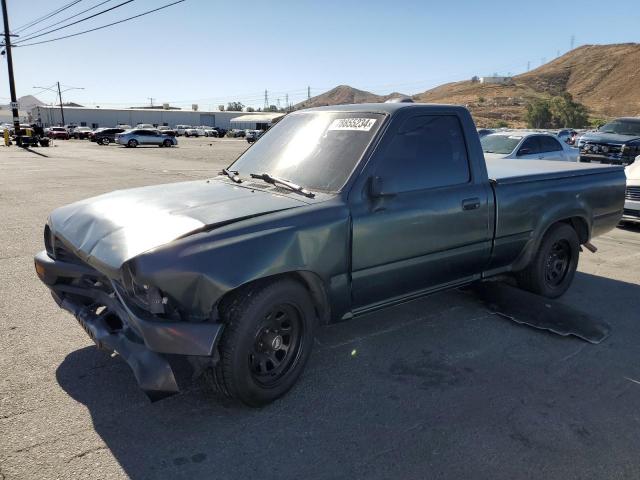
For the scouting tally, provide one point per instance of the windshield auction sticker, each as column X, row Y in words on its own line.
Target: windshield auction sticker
column 359, row 124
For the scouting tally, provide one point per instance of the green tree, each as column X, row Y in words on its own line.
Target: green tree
column 250, row 109
column 538, row 114
column 567, row 113
column 221, row 108
column 502, row 124
column 235, row 106
column 556, row 112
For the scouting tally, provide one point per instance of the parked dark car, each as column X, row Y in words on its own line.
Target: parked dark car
column 617, row 142
column 106, row 136
column 221, row 131
column 81, row 133
column 336, row 212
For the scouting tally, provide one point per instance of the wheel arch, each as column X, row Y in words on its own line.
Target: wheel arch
column 577, row 221
column 311, row 281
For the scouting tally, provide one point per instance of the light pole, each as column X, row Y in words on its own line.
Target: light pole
column 60, row 92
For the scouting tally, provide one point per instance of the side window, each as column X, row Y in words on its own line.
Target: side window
column 530, row 143
column 550, row 144
column 428, row 151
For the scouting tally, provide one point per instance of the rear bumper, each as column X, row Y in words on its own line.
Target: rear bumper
column 631, row 211
column 145, row 342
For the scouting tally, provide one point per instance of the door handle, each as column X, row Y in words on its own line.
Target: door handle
column 471, row 204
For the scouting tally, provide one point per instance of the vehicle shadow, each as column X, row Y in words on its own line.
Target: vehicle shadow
column 435, row 385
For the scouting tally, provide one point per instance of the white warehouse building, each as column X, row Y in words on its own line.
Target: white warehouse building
column 110, row 117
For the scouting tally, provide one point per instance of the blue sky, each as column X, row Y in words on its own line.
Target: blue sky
column 211, row 52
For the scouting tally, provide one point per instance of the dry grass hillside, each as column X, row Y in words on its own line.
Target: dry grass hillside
column 605, row 78
column 344, row 94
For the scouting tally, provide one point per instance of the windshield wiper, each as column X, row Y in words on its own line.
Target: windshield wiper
column 281, row 181
column 232, row 174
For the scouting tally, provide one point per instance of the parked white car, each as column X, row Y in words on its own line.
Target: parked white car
column 209, row 131
column 526, row 145
column 632, row 194
column 193, row 132
column 180, row 129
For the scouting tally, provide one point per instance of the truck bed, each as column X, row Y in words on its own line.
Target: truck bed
column 531, row 194
column 516, row 171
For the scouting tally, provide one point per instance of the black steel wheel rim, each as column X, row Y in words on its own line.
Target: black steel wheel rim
column 277, row 345
column 558, row 263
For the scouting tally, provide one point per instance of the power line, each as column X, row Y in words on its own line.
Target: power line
column 72, row 16
column 46, row 16
column 74, row 23
column 101, row 27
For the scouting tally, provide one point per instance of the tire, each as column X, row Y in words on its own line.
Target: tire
column 553, row 267
column 266, row 342
column 167, row 143
column 133, row 143
column 104, row 141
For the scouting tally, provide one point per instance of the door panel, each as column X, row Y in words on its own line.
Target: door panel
column 418, row 240
column 415, row 239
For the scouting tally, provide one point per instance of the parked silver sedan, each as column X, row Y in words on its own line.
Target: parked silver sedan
column 137, row 136
column 525, row 145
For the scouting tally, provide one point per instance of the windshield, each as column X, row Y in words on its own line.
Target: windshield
column 317, row 150
column 503, row 144
column 622, row 127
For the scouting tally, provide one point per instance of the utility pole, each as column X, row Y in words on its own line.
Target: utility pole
column 61, row 107
column 528, row 65
column 59, row 93
column 573, row 41
column 287, row 101
column 151, row 100
column 266, row 100
column 12, row 85
column 308, row 93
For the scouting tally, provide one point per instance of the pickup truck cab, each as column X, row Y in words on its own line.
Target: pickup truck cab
column 335, row 212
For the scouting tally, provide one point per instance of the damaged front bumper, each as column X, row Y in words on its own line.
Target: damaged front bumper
column 145, row 342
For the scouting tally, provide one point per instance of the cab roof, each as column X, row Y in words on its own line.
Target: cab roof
column 387, row 108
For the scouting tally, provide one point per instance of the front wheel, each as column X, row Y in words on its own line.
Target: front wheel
column 167, row 143
column 266, row 342
column 104, row 141
column 553, row 267
column 132, row 143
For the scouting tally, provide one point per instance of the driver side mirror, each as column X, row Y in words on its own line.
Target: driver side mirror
column 524, row 151
column 376, row 188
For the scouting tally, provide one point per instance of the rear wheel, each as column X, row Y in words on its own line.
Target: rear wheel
column 167, row 143
column 266, row 342
column 132, row 143
column 553, row 267
column 104, row 141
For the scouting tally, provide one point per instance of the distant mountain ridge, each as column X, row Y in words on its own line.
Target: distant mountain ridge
column 343, row 94
column 605, row 78
column 25, row 103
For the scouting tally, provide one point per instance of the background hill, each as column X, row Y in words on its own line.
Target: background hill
column 26, row 103
column 604, row 78
column 344, row 94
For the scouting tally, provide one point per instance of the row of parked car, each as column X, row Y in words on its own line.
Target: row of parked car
column 617, row 143
column 106, row 135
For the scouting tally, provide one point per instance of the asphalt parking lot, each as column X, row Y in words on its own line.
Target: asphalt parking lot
column 437, row 388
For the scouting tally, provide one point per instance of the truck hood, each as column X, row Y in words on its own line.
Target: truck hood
column 108, row 230
column 607, row 138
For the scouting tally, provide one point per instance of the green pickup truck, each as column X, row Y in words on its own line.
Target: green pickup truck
column 333, row 213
